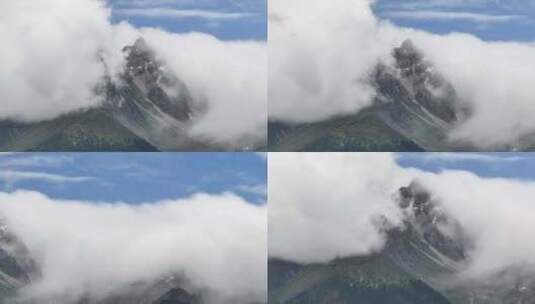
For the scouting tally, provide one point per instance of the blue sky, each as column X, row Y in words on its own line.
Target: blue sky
column 506, row 165
column 135, row 177
column 510, row 20
column 503, row 20
column 148, row 177
column 225, row 19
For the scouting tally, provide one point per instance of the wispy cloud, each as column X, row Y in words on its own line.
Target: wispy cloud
column 451, row 16
column 244, row 5
column 34, row 160
column 462, row 4
column 260, row 189
column 11, row 177
column 172, row 13
column 460, row 157
column 152, row 3
column 427, row 4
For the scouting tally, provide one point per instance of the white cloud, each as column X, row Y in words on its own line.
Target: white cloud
column 228, row 78
column 64, row 67
column 180, row 13
column 459, row 156
column 452, row 16
column 426, row 4
column 495, row 84
column 496, row 213
column 327, row 205
column 152, row 3
column 175, row 3
column 458, row 4
column 34, row 160
column 260, row 189
column 11, row 177
column 218, row 243
column 321, row 55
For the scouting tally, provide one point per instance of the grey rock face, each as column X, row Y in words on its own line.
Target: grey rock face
column 17, row 268
column 144, row 108
column 150, row 101
column 413, row 79
column 414, row 109
column 145, row 72
column 421, row 262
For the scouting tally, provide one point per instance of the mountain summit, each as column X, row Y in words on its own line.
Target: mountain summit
column 422, row 262
column 415, row 80
column 148, row 75
column 414, row 109
column 144, row 108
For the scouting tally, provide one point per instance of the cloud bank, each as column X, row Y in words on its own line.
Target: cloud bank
column 320, row 53
column 230, row 77
column 47, row 68
column 52, row 59
column 327, row 206
column 496, row 213
column 321, row 56
column 217, row 243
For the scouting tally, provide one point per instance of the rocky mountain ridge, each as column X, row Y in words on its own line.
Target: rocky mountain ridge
column 414, row 109
column 144, row 108
column 421, row 262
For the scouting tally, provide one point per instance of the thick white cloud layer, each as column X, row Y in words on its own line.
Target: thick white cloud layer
column 327, row 205
column 498, row 214
column 493, row 78
column 218, row 243
column 230, row 76
column 49, row 58
column 324, row 206
column 322, row 52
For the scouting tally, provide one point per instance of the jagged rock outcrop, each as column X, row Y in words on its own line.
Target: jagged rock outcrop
column 150, row 101
column 144, row 72
column 422, row 262
column 425, row 219
column 412, row 79
column 17, row 267
column 415, row 108
column 144, row 108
